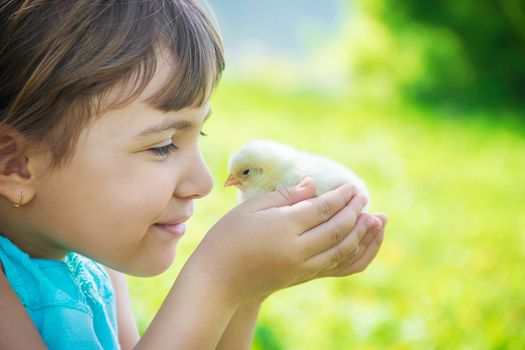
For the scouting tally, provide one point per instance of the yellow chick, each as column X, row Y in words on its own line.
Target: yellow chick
column 263, row 166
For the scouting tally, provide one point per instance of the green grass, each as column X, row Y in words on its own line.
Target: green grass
column 449, row 273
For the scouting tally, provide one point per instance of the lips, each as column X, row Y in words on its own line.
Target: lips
column 174, row 222
column 175, row 225
column 174, row 229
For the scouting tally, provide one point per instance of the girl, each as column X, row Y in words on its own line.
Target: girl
column 101, row 106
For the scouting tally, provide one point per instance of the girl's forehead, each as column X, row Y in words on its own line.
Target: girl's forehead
column 139, row 121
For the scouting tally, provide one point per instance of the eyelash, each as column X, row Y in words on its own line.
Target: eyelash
column 166, row 150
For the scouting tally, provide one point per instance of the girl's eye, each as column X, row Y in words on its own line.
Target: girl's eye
column 164, row 150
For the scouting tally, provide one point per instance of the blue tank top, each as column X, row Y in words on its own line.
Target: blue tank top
column 71, row 302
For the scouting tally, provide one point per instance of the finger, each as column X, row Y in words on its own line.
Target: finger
column 347, row 266
column 383, row 217
column 338, row 253
column 366, row 241
column 332, row 232
column 370, row 236
column 369, row 253
column 284, row 197
column 314, row 211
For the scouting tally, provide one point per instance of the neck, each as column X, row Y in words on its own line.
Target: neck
column 34, row 246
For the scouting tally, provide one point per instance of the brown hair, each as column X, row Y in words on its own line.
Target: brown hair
column 59, row 59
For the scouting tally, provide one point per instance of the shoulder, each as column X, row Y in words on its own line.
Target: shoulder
column 91, row 278
column 16, row 327
column 118, row 283
column 127, row 327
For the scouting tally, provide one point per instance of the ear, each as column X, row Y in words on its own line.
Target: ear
column 16, row 176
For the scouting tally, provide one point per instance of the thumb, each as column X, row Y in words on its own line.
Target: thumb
column 285, row 196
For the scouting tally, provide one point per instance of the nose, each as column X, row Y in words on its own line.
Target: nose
column 197, row 180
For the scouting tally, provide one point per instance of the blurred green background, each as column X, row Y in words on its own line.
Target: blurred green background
column 425, row 101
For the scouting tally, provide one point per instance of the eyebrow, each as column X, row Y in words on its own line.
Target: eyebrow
column 171, row 124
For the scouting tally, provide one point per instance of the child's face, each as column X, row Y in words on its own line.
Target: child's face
column 106, row 202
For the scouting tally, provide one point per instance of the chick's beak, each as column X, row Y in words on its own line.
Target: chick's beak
column 231, row 180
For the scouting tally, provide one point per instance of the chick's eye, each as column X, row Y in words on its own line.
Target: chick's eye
column 203, row 133
column 163, row 150
column 246, row 171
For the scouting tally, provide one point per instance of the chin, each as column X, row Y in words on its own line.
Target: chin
column 153, row 265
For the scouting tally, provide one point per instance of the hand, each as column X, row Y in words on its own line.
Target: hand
column 367, row 237
column 277, row 240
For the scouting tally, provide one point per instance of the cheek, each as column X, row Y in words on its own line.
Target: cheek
column 145, row 195
column 107, row 203
column 139, row 196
